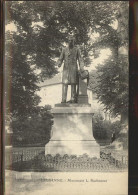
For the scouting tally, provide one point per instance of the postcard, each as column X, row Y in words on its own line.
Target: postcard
column 66, row 97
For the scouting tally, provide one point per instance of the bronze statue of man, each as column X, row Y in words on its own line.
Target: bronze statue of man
column 70, row 55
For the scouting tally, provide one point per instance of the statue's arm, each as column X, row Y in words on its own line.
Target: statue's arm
column 80, row 60
column 61, row 58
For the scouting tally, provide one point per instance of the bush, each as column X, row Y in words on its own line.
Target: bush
column 104, row 131
column 33, row 131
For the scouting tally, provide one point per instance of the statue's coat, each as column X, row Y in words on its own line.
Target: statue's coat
column 70, row 69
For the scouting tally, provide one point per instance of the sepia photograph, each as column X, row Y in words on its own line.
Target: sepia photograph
column 66, row 84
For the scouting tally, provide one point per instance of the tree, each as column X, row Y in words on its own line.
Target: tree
column 110, row 81
column 42, row 29
column 21, row 81
column 111, row 86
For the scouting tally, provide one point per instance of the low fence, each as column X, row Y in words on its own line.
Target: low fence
column 107, row 162
column 22, row 154
column 77, row 164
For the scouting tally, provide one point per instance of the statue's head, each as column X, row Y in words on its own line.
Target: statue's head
column 71, row 40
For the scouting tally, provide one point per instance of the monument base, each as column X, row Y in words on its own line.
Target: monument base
column 91, row 148
column 72, row 132
column 82, row 99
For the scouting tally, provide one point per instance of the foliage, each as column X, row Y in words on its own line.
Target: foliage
column 42, row 29
column 35, row 130
column 101, row 130
column 121, row 135
column 110, row 83
column 104, row 130
column 21, row 80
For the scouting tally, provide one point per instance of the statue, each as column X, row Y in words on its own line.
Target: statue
column 70, row 55
column 68, row 135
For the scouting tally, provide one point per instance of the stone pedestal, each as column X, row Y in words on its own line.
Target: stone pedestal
column 82, row 96
column 72, row 131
